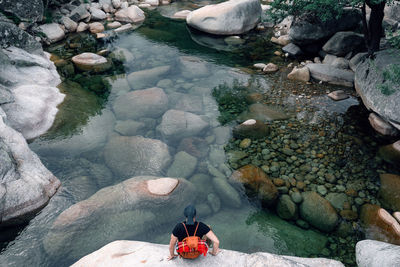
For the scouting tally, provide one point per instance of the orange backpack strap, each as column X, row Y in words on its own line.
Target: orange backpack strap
column 195, row 231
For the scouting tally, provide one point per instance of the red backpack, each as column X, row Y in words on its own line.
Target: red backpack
column 192, row 247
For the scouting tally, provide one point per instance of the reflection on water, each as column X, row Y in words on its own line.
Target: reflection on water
column 186, row 73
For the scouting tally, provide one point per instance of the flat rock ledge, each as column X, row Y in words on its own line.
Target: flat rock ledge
column 135, row 253
column 371, row 253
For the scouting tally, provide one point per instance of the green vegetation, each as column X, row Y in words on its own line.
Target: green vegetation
column 391, row 79
column 232, row 99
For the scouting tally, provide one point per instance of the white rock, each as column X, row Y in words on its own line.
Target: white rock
column 227, row 18
column 162, row 186
column 181, row 14
column 69, row 24
column 82, row 26
column 53, row 32
column 132, row 14
column 90, row 62
column 114, row 25
column 338, row 95
column 371, row 253
column 152, row 2
column 134, row 253
column 259, row 66
column 97, row 14
column 116, row 3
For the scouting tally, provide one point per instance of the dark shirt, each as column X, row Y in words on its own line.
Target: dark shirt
column 180, row 232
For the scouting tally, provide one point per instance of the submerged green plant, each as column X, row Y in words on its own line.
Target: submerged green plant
column 231, row 100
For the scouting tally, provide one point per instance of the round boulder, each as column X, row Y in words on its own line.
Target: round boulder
column 389, row 191
column 91, row 62
column 317, row 211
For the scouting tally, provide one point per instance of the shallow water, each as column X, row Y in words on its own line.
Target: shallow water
column 73, row 149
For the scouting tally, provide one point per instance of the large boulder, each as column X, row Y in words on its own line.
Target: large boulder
column 133, row 253
column 128, row 156
column 31, row 11
column 378, row 92
column 342, row 43
column 133, row 207
column 306, row 30
column 132, row 14
column 177, row 124
column 317, row 211
column 256, row 179
column 148, row 103
column 379, row 224
column 390, row 153
column 330, row 74
column 32, row 80
column 371, row 253
column 227, row 18
column 389, row 191
column 25, row 184
column 11, row 35
column 52, row 31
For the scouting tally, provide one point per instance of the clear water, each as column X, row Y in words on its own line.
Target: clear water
column 73, row 149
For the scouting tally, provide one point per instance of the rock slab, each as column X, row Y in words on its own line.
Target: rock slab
column 371, row 253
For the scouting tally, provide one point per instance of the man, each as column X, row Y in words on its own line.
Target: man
column 192, row 227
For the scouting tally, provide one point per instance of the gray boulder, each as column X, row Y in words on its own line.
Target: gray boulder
column 53, row 32
column 293, row 50
column 150, row 103
column 372, row 253
column 135, row 206
column 193, row 67
column 225, row 257
column 136, row 155
column 25, row 10
column 177, row 124
column 378, row 93
column 331, row 74
column 228, row 195
column 227, row 18
column 79, row 13
column 286, row 208
column 353, row 63
column 11, row 35
column 183, row 165
column 342, row 43
column 317, row 211
column 25, row 184
column 306, row 30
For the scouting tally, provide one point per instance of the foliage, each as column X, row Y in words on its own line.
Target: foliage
column 391, row 79
column 231, row 100
column 394, row 39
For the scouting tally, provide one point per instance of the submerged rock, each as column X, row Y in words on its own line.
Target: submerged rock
column 371, row 253
column 148, row 103
column 317, row 211
column 129, row 207
column 228, row 195
column 147, row 78
column 227, row 18
column 136, row 155
column 389, row 191
column 183, row 165
column 264, row 113
column 252, row 129
column 136, row 252
column 390, row 153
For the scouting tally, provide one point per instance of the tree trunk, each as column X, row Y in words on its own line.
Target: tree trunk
column 373, row 30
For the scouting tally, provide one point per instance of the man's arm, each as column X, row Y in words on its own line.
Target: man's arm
column 172, row 243
column 210, row 235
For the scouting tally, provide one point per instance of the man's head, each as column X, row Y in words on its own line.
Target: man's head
column 190, row 214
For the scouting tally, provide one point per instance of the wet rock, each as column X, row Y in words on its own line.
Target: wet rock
column 187, row 102
column 252, row 129
column 337, row 200
column 227, row 257
column 193, row 67
column 11, row 35
column 270, row 67
column 150, row 103
column 79, row 13
column 183, row 165
column 371, row 253
column 129, row 127
column 181, row 14
column 136, row 155
column 332, row 75
column 52, row 31
column 222, row 135
column 147, row 78
column 317, row 211
column 370, row 77
column 293, row 50
column 227, row 18
column 124, row 28
column 129, row 206
column 264, row 113
column 132, row 14
column 177, row 124
column 203, row 184
column 245, row 143
column 305, row 30
column 114, row 25
column 296, row 197
column 80, row 188
column 286, row 209
column 256, row 179
column 390, row 153
column 299, row 74
column 97, row 14
column 381, row 126
column 338, row 95
column 379, row 224
column 91, row 62
column 69, row 24
column 228, row 195
column 259, row 66
column 389, row 191
column 214, row 202
column 342, row 43
column 96, row 27
column 197, row 147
